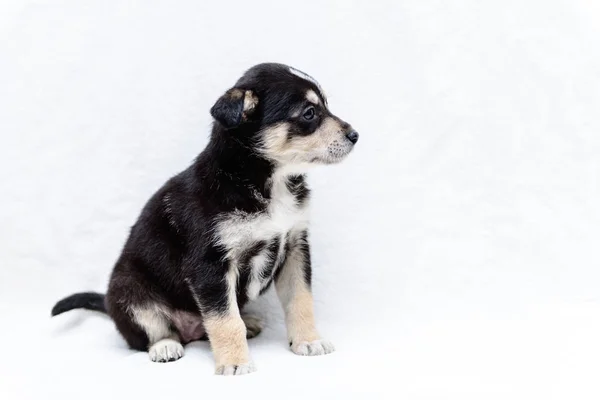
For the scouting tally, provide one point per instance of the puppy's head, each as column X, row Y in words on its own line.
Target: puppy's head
column 282, row 113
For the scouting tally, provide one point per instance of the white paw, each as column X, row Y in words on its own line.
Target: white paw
column 165, row 350
column 314, row 348
column 241, row 369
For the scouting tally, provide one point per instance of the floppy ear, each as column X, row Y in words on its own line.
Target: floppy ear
column 234, row 107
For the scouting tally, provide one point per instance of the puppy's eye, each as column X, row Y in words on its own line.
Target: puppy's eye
column 309, row 114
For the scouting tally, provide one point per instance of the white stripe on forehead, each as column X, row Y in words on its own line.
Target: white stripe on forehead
column 312, row 96
column 309, row 78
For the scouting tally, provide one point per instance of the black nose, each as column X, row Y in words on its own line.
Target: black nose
column 352, row 136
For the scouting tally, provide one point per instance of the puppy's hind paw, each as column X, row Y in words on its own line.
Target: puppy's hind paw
column 165, row 350
column 253, row 326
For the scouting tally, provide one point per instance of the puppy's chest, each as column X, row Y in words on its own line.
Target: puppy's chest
column 284, row 212
column 258, row 264
column 257, row 242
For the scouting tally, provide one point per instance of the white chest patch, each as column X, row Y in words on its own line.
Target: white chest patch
column 261, row 268
column 238, row 231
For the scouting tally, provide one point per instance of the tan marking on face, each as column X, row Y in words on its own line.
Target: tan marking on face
column 274, row 139
column 296, row 299
column 315, row 147
column 312, row 96
column 329, row 131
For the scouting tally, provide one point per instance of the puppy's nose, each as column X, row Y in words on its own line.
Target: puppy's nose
column 352, row 136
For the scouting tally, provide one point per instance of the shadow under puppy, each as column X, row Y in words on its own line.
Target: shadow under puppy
column 219, row 233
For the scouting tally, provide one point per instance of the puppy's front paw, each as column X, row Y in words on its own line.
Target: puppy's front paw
column 241, row 369
column 314, row 348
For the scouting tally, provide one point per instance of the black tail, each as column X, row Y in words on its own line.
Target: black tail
column 88, row 300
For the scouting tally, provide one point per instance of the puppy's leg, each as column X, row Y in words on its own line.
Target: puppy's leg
column 227, row 336
column 163, row 343
column 224, row 325
column 253, row 326
column 293, row 288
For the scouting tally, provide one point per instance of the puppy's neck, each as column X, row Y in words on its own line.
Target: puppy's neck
column 230, row 156
column 284, row 171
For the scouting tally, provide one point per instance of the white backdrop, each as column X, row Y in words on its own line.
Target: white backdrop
column 455, row 252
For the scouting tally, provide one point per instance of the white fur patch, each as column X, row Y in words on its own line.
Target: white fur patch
column 238, row 230
column 257, row 265
column 231, row 278
column 153, row 320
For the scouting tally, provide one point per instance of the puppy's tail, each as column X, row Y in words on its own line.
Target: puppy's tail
column 88, row 300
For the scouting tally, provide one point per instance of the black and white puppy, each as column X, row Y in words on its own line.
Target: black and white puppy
column 216, row 235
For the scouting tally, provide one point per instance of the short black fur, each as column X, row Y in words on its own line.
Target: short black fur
column 88, row 300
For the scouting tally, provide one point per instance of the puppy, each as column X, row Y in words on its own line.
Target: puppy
column 219, row 233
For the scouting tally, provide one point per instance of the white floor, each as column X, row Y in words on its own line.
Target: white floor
column 455, row 252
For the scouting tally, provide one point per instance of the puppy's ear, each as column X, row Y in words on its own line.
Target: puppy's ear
column 234, row 107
